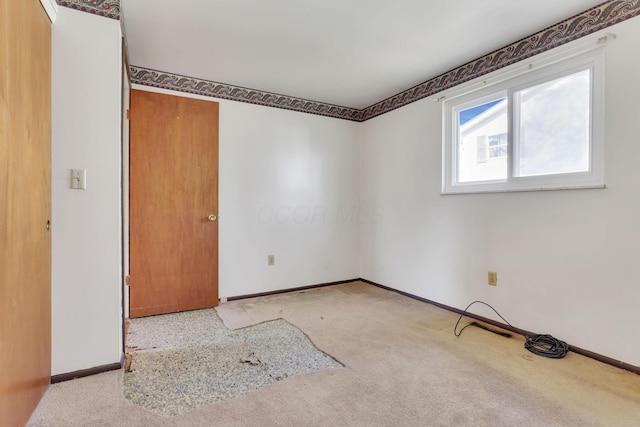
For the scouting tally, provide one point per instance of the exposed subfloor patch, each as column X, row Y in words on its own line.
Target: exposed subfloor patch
column 185, row 360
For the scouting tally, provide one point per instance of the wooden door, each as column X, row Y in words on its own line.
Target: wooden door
column 173, row 203
column 25, row 208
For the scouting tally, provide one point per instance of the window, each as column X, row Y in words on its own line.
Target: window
column 539, row 130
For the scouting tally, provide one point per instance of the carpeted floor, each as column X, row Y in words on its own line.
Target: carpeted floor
column 190, row 359
column 402, row 367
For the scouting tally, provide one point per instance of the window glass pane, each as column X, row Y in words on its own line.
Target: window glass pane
column 482, row 142
column 554, row 122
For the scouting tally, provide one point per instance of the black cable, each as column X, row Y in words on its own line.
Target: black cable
column 502, row 334
column 542, row 345
column 467, row 309
column 546, row 345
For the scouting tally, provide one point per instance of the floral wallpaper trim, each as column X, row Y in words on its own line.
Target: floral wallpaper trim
column 106, row 8
column 160, row 79
column 597, row 18
column 585, row 23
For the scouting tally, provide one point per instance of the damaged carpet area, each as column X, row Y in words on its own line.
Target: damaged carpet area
column 185, row 360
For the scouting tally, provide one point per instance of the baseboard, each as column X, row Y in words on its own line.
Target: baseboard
column 115, row 366
column 599, row 357
column 282, row 291
column 578, row 350
column 86, row 372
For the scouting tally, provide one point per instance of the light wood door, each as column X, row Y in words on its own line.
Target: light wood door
column 173, row 192
column 25, row 208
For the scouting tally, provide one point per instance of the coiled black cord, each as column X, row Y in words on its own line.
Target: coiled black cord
column 542, row 345
column 546, row 345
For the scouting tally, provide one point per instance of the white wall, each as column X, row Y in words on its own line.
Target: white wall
column 86, row 261
column 288, row 186
column 567, row 261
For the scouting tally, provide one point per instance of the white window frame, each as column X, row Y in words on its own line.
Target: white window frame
column 504, row 84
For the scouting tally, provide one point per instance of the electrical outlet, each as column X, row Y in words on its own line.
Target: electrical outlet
column 271, row 259
column 492, row 278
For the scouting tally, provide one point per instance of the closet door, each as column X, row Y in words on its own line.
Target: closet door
column 25, row 208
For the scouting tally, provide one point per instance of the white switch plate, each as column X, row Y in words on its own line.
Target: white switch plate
column 79, row 179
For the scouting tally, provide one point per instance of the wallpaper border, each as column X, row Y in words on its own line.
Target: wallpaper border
column 106, row 8
column 177, row 82
column 591, row 20
column 580, row 25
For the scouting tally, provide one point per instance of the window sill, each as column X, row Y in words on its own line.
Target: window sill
column 522, row 190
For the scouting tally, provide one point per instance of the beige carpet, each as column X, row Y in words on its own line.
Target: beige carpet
column 403, row 367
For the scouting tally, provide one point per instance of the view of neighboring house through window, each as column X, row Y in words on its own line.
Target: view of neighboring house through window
column 480, row 131
column 555, row 136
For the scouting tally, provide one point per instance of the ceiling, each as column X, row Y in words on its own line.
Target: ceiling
column 351, row 53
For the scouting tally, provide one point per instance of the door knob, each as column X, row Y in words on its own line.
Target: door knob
column 212, row 217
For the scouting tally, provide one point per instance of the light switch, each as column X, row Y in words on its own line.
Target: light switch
column 79, row 179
